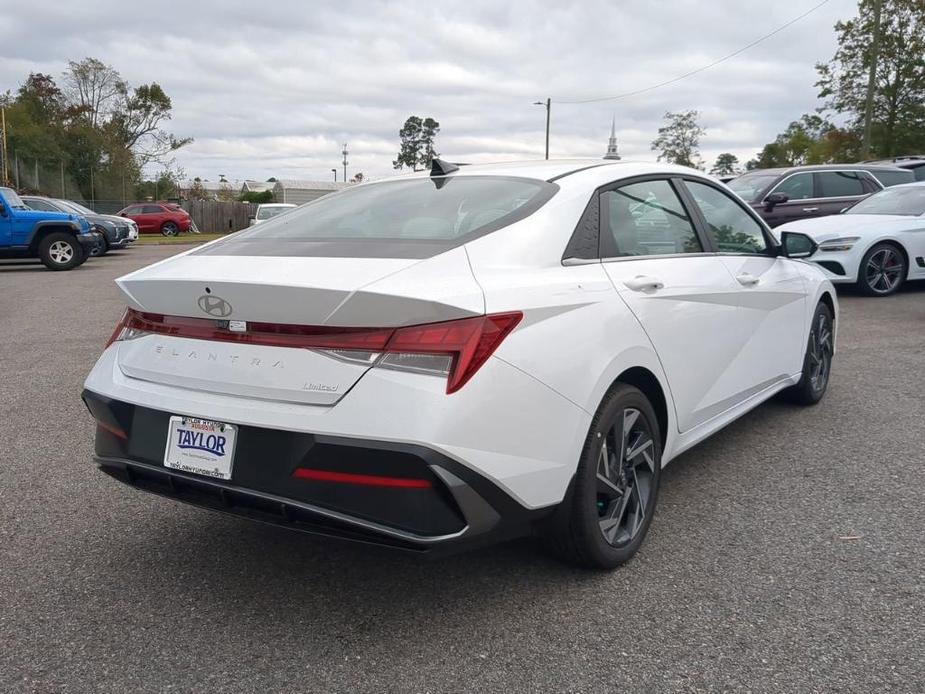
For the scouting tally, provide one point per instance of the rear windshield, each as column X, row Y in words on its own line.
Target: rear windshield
column 894, row 178
column 907, row 200
column 412, row 218
column 268, row 212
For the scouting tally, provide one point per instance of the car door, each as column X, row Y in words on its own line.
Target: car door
column 836, row 190
column 800, row 191
column 772, row 292
column 682, row 295
column 135, row 214
column 6, row 223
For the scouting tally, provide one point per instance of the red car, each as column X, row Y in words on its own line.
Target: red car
column 158, row 217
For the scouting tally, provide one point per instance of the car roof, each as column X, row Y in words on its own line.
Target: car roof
column 554, row 169
column 824, row 167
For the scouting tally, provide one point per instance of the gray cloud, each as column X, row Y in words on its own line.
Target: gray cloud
column 276, row 89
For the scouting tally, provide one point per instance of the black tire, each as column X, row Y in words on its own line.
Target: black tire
column 882, row 271
column 817, row 362
column 169, row 229
column 577, row 530
column 60, row 251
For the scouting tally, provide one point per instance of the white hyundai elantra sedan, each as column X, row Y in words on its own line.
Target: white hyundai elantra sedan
column 461, row 356
column 877, row 244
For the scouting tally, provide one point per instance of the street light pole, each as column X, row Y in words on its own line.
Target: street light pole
column 548, row 105
column 334, row 171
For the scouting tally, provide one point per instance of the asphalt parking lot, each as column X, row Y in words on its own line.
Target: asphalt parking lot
column 787, row 554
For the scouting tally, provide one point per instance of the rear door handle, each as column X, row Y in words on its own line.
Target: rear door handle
column 643, row 283
column 810, row 209
column 747, row 279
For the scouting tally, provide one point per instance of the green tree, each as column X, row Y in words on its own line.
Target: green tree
column 678, row 141
column 726, row 164
column 899, row 91
column 417, row 143
column 256, row 197
column 809, row 140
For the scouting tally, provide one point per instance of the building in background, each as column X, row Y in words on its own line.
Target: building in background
column 257, row 186
column 300, row 192
column 612, row 152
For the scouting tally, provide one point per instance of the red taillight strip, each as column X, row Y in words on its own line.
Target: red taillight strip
column 267, row 334
column 304, row 473
column 469, row 341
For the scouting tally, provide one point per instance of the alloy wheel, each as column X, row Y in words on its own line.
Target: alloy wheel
column 625, row 474
column 884, row 270
column 820, row 352
column 61, row 252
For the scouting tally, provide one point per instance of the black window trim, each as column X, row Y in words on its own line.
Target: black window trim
column 772, row 247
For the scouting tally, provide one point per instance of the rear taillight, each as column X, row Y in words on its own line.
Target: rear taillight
column 455, row 349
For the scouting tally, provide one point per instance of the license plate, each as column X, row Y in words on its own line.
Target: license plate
column 200, row 446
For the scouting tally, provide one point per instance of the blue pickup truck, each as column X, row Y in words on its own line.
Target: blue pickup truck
column 61, row 241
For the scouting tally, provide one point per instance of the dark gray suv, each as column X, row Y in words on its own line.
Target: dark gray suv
column 801, row 192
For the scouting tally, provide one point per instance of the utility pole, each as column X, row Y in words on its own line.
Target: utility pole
column 872, row 83
column 63, row 189
column 548, row 105
column 4, row 178
column 345, row 153
column 37, row 175
column 92, row 195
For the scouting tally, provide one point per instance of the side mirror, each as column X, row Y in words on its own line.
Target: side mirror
column 775, row 199
column 796, row 245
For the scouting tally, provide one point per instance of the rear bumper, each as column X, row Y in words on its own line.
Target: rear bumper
column 458, row 509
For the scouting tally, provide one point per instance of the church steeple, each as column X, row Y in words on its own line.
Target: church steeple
column 612, row 142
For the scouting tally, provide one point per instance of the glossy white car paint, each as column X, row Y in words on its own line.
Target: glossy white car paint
column 865, row 231
column 719, row 333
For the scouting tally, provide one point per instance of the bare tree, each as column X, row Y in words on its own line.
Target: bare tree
column 94, row 88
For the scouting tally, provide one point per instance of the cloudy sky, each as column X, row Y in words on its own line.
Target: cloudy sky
column 275, row 88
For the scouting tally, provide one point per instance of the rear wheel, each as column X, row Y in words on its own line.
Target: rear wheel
column 170, row 229
column 60, row 251
column 882, row 270
column 604, row 521
column 817, row 363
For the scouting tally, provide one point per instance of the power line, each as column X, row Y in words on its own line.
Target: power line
column 700, row 69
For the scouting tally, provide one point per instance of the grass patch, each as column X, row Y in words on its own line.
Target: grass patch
column 159, row 240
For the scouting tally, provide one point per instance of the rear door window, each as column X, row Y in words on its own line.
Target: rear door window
column 840, row 184
column 646, row 218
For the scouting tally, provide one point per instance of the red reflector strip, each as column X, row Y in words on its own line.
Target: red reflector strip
column 268, row 334
column 305, row 473
column 115, row 431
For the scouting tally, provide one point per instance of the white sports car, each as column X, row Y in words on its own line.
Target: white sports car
column 878, row 244
column 463, row 356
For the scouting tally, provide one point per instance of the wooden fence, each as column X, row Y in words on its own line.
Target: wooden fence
column 213, row 216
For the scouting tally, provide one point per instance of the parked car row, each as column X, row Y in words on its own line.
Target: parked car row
column 61, row 240
column 868, row 219
column 117, row 232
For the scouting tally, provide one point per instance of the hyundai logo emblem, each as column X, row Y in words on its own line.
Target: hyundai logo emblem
column 215, row 306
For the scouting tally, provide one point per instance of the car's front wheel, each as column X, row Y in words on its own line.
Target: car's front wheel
column 882, row 270
column 60, row 251
column 817, row 362
column 604, row 520
column 170, row 229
